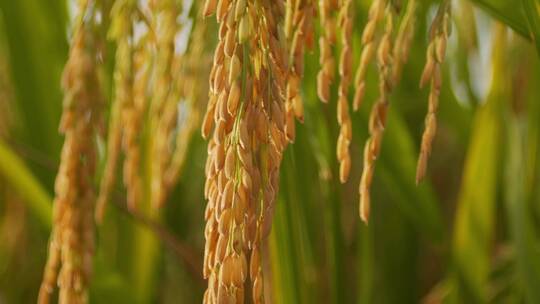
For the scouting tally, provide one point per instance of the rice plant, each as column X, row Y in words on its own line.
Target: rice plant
column 269, row 151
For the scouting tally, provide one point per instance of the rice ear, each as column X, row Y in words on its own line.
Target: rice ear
column 71, row 245
column 257, row 98
column 432, row 73
column 377, row 118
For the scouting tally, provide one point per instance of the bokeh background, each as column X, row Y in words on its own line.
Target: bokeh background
column 468, row 234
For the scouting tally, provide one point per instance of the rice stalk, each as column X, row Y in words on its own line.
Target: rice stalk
column 165, row 97
column 192, row 81
column 121, row 31
column 343, row 116
column 377, row 118
column 369, row 43
column 326, row 75
column 404, row 39
column 133, row 115
column 299, row 33
column 225, row 279
column 148, row 61
column 439, row 32
column 246, row 112
column 71, row 246
column 174, row 112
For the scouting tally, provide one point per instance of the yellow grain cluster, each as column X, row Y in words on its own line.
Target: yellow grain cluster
column 246, row 123
column 69, row 264
column 173, row 112
column 345, row 72
column 254, row 98
column 369, row 47
column 132, row 115
column 404, row 38
column 299, row 33
column 326, row 41
column 380, row 10
column 165, row 97
column 123, row 13
column 192, row 79
column 179, row 79
column 432, row 73
column 152, row 76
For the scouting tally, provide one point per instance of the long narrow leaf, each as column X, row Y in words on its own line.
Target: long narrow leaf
column 475, row 213
column 15, row 172
column 531, row 10
column 519, row 218
column 505, row 12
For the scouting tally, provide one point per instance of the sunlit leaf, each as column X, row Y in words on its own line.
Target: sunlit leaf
column 475, row 215
column 532, row 12
column 522, row 231
column 17, row 175
column 506, row 12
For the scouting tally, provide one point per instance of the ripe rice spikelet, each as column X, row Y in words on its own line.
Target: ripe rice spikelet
column 245, row 121
column 404, row 39
column 299, row 34
column 377, row 118
column 343, row 116
column 163, row 107
column 440, row 30
column 71, row 246
column 191, row 79
column 121, row 31
column 325, row 77
column 369, row 42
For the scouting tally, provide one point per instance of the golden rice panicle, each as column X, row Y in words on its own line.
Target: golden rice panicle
column 69, row 264
column 404, row 39
column 440, row 30
column 163, row 107
column 132, row 117
column 299, row 33
column 192, row 81
column 325, row 77
column 271, row 140
column 121, row 32
column 343, row 116
column 109, row 173
column 225, row 264
column 246, row 116
column 173, row 112
column 50, row 273
column 377, row 118
column 369, row 42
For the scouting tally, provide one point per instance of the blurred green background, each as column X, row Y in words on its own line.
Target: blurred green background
column 468, row 234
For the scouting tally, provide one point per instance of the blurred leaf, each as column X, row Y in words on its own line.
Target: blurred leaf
column 109, row 285
column 522, row 230
column 506, row 12
column 283, row 260
column 145, row 246
column 475, row 215
column 296, row 230
column 18, row 175
column 35, row 32
column 531, row 9
column 416, row 202
column 394, row 245
column 313, row 170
